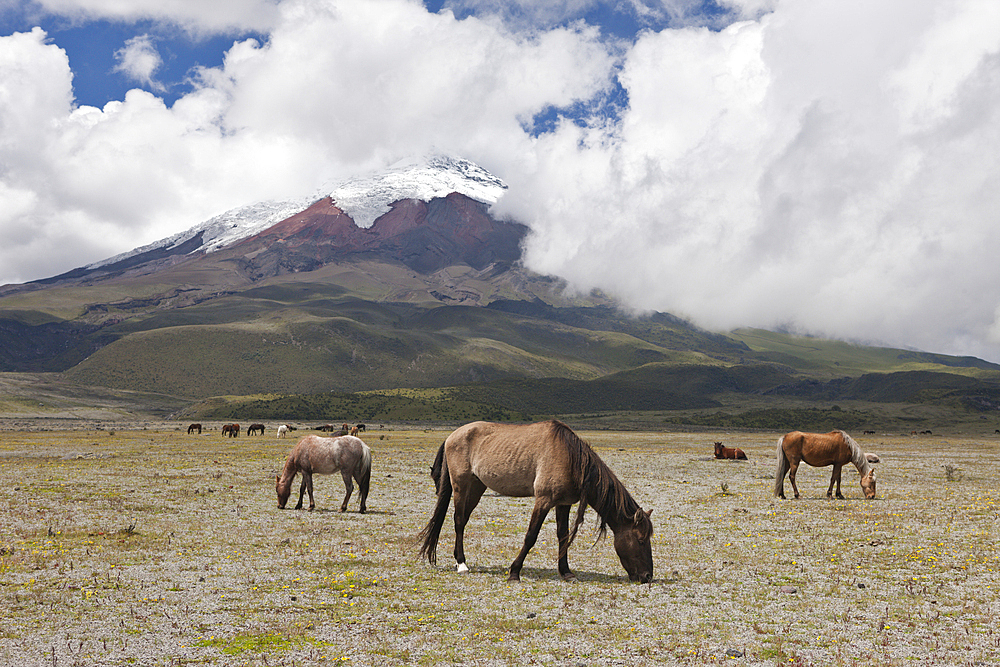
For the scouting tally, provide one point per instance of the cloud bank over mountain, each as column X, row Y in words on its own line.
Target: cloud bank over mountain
column 830, row 167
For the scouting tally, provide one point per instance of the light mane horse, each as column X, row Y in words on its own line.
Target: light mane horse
column 325, row 456
column 550, row 462
column 821, row 449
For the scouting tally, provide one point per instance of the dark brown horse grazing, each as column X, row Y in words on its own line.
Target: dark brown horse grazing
column 194, row 427
column 232, row 430
column 821, row 449
column 325, row 456
column 546, row 460
column 729, row 452
column 253, row 428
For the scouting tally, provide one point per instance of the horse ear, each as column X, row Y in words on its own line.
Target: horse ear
column 649, row 513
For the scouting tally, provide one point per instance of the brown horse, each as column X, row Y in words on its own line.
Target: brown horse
column 821, row 449
column 253, row 428
column 729, row 452
column 546, row 460
column 325, row 456
column 232, row 430
column 194, row 427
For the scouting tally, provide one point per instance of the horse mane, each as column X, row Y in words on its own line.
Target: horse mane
column 858, row 457
column 600, row 488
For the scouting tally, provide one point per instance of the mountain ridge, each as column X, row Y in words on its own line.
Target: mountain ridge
column 431, row 294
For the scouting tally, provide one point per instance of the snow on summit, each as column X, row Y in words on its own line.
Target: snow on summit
column 364, row 199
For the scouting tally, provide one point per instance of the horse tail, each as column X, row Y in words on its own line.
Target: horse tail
column 363, row 472
column 436, row 468
column 432, row 531
column 781, row 469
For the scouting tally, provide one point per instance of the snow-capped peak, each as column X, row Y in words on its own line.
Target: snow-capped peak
column 366, row 199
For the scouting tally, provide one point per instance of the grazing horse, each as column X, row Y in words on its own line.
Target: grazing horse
column 315, row 455
column 282, row 431
column 354, row 431
column 361, row 427
column 821, row 449
column 729, row 452
column 546, row 460
column 253, row 428
column 194, row 427
column 232, row 430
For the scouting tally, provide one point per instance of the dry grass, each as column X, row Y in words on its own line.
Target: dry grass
column 148, row 546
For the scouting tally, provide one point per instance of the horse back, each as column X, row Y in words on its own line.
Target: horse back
column 516, row 460
column 325, row 456
column 817, row 449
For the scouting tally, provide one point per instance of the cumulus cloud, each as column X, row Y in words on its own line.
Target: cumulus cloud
column 139, row 60
column 797, row 171
column 829, row 167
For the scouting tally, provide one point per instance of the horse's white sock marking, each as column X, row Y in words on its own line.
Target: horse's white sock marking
column 462, row 568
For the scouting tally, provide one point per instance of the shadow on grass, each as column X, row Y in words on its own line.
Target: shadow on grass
column 532, row 574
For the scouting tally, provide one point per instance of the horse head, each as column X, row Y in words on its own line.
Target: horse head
column 868, row 484
column 283, row 490
column 718, row 450
column 633, row 544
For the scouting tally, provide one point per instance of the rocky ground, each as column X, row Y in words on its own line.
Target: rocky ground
column 136, row 543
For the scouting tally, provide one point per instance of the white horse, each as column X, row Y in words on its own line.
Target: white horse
column 282, row 430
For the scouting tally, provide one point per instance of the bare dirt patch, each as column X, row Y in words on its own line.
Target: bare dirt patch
column 145, row 545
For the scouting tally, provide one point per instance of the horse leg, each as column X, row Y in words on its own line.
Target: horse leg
column 302, row 490
column 309, row 488
column 349, row 486
column 562, row 533
column 534, row 526
column 793, row 467
column 466, row 497
column 306, row 484
column 835, row 477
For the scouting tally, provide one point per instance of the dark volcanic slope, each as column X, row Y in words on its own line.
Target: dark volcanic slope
column 425, row 236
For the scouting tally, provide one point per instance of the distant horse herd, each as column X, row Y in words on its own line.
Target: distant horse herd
column 547, row 461
column 233, row 430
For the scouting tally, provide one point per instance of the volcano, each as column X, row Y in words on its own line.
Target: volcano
column 425, row 215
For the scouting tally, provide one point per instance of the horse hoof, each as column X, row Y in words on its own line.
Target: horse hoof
column 462, row 568
column 514, row 579
column 570, row 577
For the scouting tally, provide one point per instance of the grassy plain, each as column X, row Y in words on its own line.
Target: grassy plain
column 140, row 544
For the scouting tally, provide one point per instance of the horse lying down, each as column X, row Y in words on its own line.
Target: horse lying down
column 729, row 452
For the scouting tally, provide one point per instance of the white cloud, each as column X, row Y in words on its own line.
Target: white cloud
column 198, row 16
column 830, row 166
column 139, row 60
column 803, row 170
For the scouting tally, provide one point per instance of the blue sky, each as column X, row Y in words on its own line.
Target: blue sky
column 828, row 167
column 96, row 46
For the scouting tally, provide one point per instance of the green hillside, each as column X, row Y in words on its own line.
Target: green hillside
column 377, row 343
